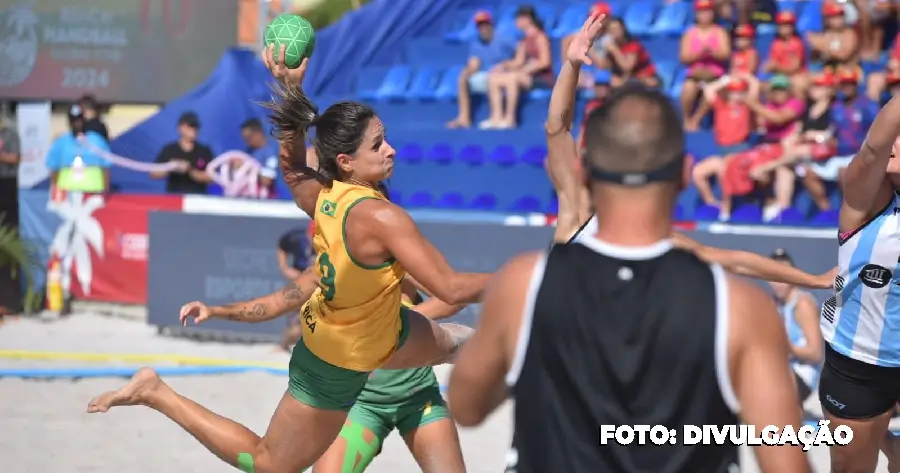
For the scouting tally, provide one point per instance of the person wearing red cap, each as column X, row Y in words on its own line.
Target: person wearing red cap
column 597, row 10
column 744, row 57
column 787, row 54
column 624, row 56
column 806, row 149
column 877, row 80
column 838, row 44
column 485, row 52
column 732, row 124
column 705, row 50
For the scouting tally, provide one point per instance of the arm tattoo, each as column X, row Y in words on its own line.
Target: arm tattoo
column 292, row 293
column 244, row 312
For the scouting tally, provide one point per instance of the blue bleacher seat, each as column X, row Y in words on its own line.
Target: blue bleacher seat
column 504, row 155
column 639, row 17
column 527, row 203
column 483, row 202
column 426, row 51
column 790, row 217
column 706, row 213
column 412, row 154
column 472, row 155
column 810, row 19
column 395, row 196
column 570, row 21
column 440, row 153
column 450, row 200
column 448, row 87
column 828, row 218
column 420, row 199
column 672, row 19
column 462, row 27
column 534, row 156
column 552, row 206
column 678, row 83
column 395, row 83
column 539, row 93
column 368, row 81
column 424, row 84
column 747, row 213
column 666, row 70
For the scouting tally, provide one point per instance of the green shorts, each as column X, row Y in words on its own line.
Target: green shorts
column 319, row 384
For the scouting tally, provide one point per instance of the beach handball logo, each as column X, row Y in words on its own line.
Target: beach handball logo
column 297, row 36
column 18, row 44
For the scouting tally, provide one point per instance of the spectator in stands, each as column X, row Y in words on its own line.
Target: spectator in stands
column 262, row 150
column 75, row 160
column 807, row 147
column 877, row 81
column 787, row 54
column 732, row 124
column 598, row 50
column 745, row 58
column 10, row 154
column 873, row 17
column 93, row 120
column 851, row 116
column 485, row 52
column 837, row 46
column 705, row 49
column 191, row 156
column 532, row 66
column 625, row 57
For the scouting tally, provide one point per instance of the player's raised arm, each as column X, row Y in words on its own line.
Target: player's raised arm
column 865, row 187
column 755, row 266
column 288, row 299
column 760, row 378
column 562, row 153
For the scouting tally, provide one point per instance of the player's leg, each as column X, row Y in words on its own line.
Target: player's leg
column 431, row 436
column 358, row 443
column 859, row 396
column 292, row 441
column 424, row 342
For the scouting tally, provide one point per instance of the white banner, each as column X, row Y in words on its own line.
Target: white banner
column 34, row 133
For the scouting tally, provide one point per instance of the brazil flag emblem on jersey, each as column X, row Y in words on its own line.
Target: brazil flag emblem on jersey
column 328, row 208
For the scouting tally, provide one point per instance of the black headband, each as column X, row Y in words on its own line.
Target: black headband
column 670, row 172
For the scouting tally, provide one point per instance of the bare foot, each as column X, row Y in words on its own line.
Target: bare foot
column 132, row 394
column 459, row 123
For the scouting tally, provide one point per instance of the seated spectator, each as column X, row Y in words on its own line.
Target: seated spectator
column 262, row 150
column 532, row 66
column 705, row 49
column 598, row 50
column 485, row 52
column 93, row 119
column 877, row 81
column 873, row 17
column 625, row 57
column 75, row 158
column 851, row 116
column 732, row 124
column 745, row 58
column 809, row 144
column 742, row 12
column 190, row 176
column 787, row 54
column 837, row 46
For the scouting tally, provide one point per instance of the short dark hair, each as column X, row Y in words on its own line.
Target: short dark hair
column 340, row 129
column 89, row 102
column 190, row 119
column 636, row 131
column 528, row 11
column 253, row 124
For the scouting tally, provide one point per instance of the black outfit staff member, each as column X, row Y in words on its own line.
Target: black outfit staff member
column 10, row 295
column 93, row 121
column 622, row 327
column 192, row 157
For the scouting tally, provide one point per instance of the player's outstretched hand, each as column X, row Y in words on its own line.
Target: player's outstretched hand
column 194, row 310
column 275, row 64
column 826, row 280
column 584, row 40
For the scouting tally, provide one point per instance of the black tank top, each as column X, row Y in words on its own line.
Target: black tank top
column 620, row 336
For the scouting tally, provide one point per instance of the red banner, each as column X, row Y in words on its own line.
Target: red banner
column 108, row 237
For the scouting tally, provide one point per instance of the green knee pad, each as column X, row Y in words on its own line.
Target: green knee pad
column 245, row 463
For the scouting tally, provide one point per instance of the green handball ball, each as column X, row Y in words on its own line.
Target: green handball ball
column 297, row 36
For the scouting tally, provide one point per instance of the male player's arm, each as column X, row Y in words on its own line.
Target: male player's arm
column 806, row 314
column 562, row 153
column 753, row 265
column 433, row 308
column 477, row 383
column 290, row 298
column 761, row 378
column 864, row 187
column 394, row 229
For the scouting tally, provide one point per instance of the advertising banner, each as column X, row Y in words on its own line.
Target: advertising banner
column 33, row 121
column 146, row 51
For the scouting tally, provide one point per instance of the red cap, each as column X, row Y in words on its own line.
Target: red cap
column 703, row 4
column 601, row 8
column 786, row 18
column 483, row 17
column 744, row 31
column 848, row 76
column 832, row 9
column 737, row 85
column 825, row 79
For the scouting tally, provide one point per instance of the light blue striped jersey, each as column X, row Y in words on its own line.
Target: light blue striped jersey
column 862, row 319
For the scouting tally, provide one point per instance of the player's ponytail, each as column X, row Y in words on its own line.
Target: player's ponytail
column 292, row 114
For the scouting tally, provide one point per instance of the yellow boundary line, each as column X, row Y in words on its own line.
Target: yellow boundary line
column 143, row 358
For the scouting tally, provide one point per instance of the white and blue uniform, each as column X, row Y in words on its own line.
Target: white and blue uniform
column 862, row 319
column 805, row 371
